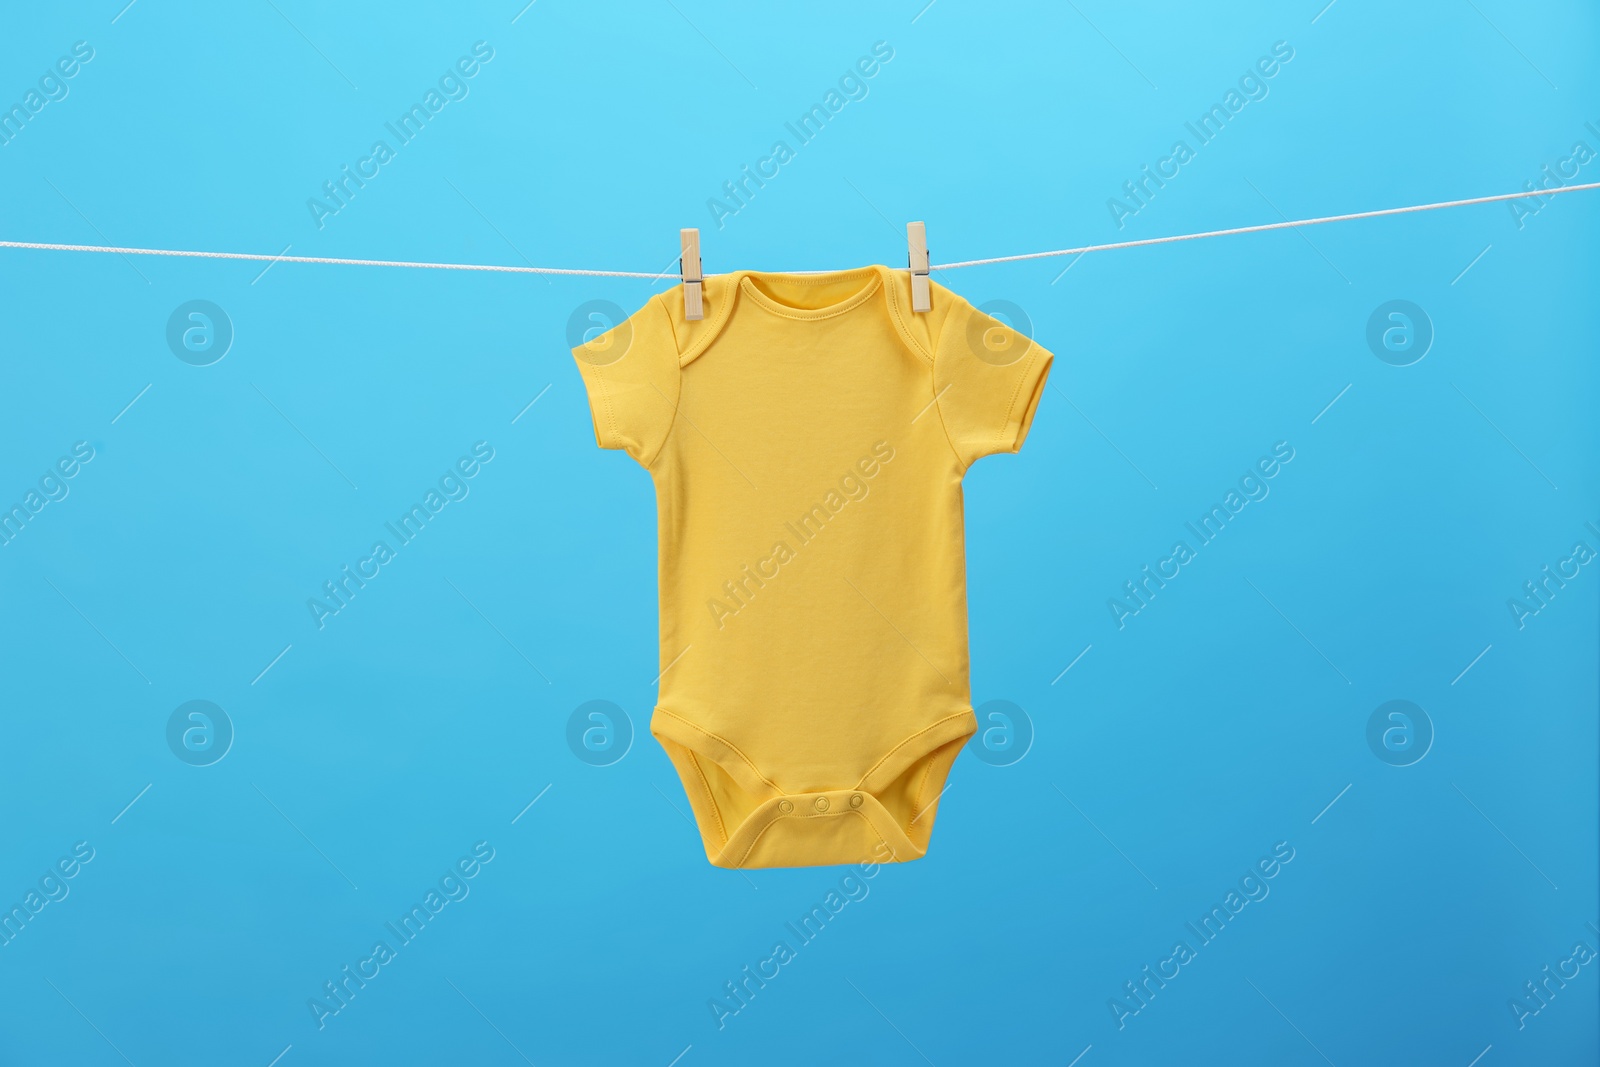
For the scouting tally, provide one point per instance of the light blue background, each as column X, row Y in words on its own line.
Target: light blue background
column 1226, row 717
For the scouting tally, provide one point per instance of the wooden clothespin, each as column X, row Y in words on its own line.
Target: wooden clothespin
column 917, row 260
column 693, row 281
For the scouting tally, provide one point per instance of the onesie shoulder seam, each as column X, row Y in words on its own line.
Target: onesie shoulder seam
column 677, row 386
column 727, row 288
column 905, row 332
column 938, row 408
column 612, row 433
column 928, row 356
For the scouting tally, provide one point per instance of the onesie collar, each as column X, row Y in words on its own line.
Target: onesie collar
column 751, row 285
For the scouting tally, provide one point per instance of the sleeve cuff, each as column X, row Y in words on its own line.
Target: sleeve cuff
column 594, row 389
column 1029, row 389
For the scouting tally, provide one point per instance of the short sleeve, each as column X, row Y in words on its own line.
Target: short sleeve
column 988, row 377
column 631, row 375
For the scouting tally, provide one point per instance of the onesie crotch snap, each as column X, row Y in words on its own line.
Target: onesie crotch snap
column 832, row 802
column 821, row 827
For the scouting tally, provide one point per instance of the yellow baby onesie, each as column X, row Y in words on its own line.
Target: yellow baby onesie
column 807, row 440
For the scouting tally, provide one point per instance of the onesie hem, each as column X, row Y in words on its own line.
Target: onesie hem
column 864, row 826
column 843, row 804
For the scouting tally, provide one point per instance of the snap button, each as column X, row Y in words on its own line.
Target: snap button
column 786, row 806
column 822, row 804
column 855, row 800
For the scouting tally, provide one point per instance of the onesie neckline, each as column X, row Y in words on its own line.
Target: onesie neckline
column 749, row 282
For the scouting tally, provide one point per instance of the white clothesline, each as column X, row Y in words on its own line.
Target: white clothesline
column 1270, row 226
column 502, row 268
